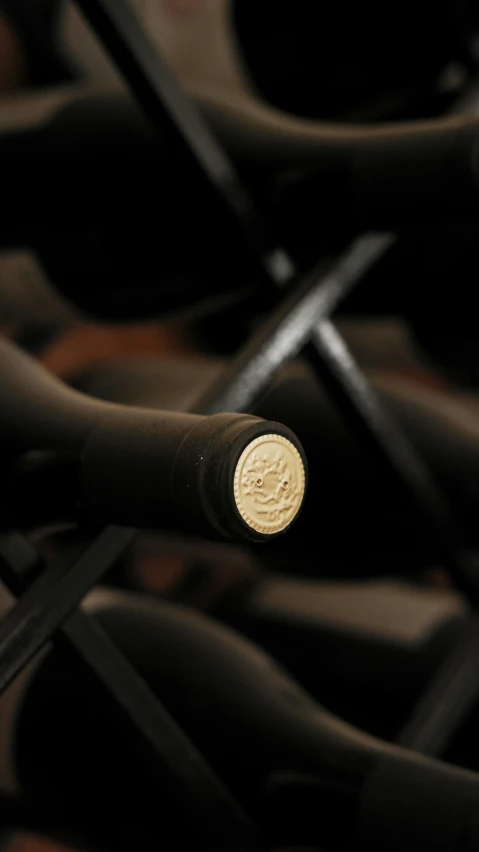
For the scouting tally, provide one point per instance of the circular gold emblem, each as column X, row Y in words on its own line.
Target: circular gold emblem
column 269, row 484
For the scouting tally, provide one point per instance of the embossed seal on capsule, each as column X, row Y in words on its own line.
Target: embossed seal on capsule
column 269, row 484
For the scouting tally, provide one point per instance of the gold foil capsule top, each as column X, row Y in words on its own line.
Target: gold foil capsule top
column 269, row 484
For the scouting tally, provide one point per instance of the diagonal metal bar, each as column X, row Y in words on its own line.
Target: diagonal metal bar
column 290, row 327
column 170, row 111
column 448, row 700
column 51, row 598
column 391, row 451
column 171, row 759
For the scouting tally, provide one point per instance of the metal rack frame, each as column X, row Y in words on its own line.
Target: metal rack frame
column 49, row 596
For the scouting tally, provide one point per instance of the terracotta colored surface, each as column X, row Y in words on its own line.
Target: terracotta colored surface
column 87, row 346
column 419, row 376
column 12, row 67
column 29, row 843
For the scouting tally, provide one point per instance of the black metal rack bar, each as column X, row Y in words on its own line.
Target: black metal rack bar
column 158, row 92
column 448, row 699
column 392, row 451
column 52, row 597
column 167, row 753
column 286, row 333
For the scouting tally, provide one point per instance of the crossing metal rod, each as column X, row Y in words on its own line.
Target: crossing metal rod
column 171, row 112
column 391, row 451
column 52, row 597
column 45, row 612
column 291, row 325
column 448, row 700
column 213, row 815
